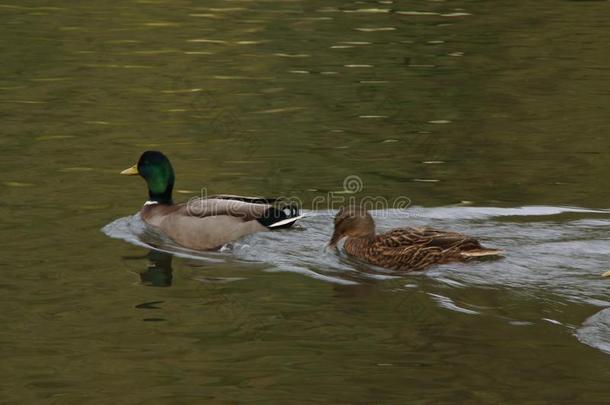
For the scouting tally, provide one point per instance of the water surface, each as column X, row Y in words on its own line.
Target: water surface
column 491, row 117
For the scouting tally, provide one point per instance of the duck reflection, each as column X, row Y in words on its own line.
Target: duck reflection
column 158, row 272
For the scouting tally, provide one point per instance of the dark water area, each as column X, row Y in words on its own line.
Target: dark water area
column 490, row 118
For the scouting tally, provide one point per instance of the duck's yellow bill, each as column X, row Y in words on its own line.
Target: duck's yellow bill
column 132, row 171
column 606, row 274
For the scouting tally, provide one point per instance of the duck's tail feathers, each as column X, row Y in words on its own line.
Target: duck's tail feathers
column 280, row 217
column 482, row 253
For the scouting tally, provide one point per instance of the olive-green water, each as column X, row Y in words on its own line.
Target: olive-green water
column 490, row 116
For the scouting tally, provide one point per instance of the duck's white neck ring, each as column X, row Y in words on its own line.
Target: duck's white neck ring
column 151, row 203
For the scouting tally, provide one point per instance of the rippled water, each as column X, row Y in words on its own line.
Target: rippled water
column 561, row 250
column 490, row 117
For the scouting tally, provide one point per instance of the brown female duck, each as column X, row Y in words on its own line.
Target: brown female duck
column 203, row 223
column 404, row 249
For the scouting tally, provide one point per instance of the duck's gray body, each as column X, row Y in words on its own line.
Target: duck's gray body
column 207, row 223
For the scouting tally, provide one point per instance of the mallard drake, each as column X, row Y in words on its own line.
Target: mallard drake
column 404, row 249
column 203, row 223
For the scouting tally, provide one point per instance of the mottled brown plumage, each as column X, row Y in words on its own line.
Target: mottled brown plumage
column 404, row 249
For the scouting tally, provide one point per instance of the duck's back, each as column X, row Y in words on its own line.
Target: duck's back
column 412, row 249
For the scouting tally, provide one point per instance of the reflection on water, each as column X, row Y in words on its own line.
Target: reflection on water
column 500, row 104
column 158, row 272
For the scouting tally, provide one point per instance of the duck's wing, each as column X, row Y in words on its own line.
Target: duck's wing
column 428, row 237
column 396, row 250
column 283, row 214
column 267, row 215
column 412, row 249
column 209, row 207
column 253, row 200
column 430, row 240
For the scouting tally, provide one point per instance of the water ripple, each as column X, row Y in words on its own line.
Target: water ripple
column 548, row 251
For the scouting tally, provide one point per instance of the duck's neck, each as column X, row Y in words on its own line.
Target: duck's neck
column 359, row 243
column 363, row 240
column 365, row 233
column 161, row 198
column 160, row 191
column 366, row 239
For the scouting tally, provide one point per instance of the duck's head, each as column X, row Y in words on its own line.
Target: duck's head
column 354, row 222
column 156, row 169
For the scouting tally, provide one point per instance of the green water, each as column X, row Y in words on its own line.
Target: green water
column 501, row 104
